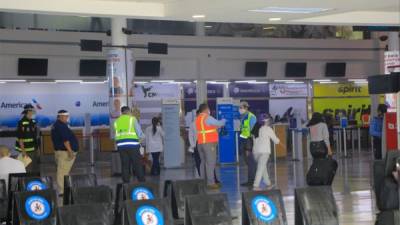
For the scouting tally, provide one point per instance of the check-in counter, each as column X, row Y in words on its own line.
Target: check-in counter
column 281, row 131
column 103, row 140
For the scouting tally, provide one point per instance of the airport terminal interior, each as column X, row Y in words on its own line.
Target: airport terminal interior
column 188, row 112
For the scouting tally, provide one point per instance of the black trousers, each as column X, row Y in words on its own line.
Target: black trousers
column 131, row 158
column 34, row 166
column 155, row 167
column 377, row 148
column 246, row 150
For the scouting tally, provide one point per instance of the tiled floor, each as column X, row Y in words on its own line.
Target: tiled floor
column 351, row 187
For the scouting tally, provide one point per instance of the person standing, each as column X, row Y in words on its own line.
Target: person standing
column 127, row 137
column 248, row 120
column 207, row 140
column 375, row 130
column 262, row 137
column 27, row 138
column 155, row 144
column 192, row 136
column 320, row 145
column 65, row 147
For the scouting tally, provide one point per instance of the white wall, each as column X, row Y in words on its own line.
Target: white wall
column 194, row 57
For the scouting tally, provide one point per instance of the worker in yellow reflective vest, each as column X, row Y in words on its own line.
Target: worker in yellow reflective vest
column 27, row 138
column 128, row 134
column 248, row 120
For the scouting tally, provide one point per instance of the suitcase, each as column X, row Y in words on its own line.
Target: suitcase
column 322, row 172
column 391, row 217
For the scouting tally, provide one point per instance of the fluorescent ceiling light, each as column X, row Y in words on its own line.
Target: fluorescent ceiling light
column 284, row 80
column 162, row 81
column 208, row 26
column 42, row 82
column 361, row 82
column 93, row 82
column 218, row 82
column 329, row 82
column 358, row 80
column 69, row 81
column 12, row 80
column 275, row 19
column 2, row 82
column 199, row 16
column 182, row 82
column 245, row 81
column 295, row 82
column 258, row 82
column 324, row 80
column 269, row 28
column 290, row 10
column 141, row 82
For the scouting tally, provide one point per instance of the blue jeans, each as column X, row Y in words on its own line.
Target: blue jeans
column 155, row 167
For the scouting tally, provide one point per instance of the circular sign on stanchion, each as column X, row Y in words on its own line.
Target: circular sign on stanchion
column 264, row 209
column 149, row 215
column 36, row 186
column 37, row 208
column 141, row 193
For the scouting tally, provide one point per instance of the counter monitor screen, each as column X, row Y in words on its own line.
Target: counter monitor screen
column 296, row 69
column 92, row 67
column 147, row 68
column 32, row 67
column 256, row 69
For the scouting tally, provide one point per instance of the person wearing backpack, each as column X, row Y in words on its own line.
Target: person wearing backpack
column 262, row 135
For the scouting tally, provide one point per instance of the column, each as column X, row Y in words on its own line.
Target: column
column 118, row 67
column 393, row 41
column 201, row 89
column 200, row 29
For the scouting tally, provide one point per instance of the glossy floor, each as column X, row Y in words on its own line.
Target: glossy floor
column 352, row 184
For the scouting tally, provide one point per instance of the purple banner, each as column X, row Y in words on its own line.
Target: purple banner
column 213, row 91
column 240, row 90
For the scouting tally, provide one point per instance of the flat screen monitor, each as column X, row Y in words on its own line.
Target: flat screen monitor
column 296, row 69
column 147, row 68
column 157, row 48
column 32, row 67
column 383, row 84
column 256, row 69
column 91, row 45
column 335, row 69
column 92, row 67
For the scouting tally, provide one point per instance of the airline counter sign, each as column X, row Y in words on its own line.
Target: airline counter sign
column 341, row 90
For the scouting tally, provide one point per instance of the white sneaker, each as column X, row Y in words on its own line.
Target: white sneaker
column 257, row 189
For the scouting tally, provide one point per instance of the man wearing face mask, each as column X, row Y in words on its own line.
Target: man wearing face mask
column 207, row 140
column 65, row 147
column 27, row 138
column 248, row 120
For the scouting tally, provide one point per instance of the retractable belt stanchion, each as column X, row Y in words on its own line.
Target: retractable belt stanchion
column 359, row 139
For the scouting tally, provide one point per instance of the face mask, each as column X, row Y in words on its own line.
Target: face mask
column 242, row 111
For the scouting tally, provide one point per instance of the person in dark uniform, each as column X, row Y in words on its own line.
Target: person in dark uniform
column 27, row 138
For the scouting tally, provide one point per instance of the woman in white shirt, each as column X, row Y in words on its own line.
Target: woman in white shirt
column 154, row 144
column 262, row 136
column 320, row 145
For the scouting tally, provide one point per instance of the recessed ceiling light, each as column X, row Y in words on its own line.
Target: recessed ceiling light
column 198, row 16
column 275, row 19
column 290, row 10
column 269, row 28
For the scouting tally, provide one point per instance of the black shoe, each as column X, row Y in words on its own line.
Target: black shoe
column 247, row 184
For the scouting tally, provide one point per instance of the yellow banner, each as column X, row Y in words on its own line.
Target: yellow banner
column 340, row 90
column 352, row 108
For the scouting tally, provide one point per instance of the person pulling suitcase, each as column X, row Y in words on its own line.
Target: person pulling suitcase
column 323, row 168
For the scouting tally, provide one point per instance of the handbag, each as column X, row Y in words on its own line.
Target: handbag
column 318, row 149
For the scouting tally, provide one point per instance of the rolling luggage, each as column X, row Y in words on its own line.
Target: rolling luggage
column 322, row 172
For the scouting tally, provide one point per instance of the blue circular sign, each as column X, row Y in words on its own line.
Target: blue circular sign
column 36, row 185
column 141, row 193
column 37, row 208
column 149, row 215
column 264, row 209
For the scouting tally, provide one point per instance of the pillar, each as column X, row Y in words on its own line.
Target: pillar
column 200, row 29
column 201, row 89
column 393, row 41
column 119, row 69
